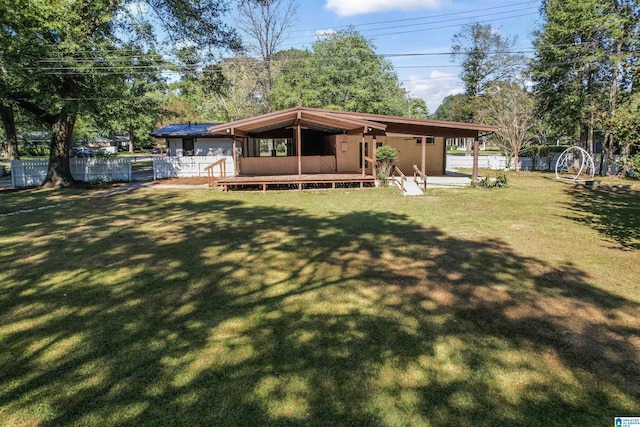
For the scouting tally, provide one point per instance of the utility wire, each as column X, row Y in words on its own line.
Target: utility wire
column 113, row 62
column 418, row 18
column 473, row 18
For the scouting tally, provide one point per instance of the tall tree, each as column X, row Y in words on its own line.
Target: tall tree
column 623, row 85
column 581, row 67
column 624, row 126
column 342, row 72
column 9, row 124
column 265, row 23
column 485, row 56
column 237, row 94
column 63, row 57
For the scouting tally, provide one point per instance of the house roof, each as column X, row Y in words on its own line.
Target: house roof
column 185, row 129
column 331, row 121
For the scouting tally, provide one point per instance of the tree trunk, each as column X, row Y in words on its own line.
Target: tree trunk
column 131, row 138
column 8, row 121
column 613, row 103
column 590, row 134
column 59, row 172
column 625, row 152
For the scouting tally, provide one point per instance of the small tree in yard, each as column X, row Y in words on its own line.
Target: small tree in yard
column 510, row 107
column 386, row 156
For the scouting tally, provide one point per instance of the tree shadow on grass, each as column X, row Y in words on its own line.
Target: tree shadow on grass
column 164, row 309
column 612, row 211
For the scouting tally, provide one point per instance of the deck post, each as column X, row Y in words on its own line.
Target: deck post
column 423, row 165
column 374, row 169
column 234, row 157
column 364, row 162
column 299, row 148
column 475, row 159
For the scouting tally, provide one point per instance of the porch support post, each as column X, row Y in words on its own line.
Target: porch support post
column 423, row 144
column 364, row 162
column 374, row 169
column 299, row 148
column 474, row 177
column 235, row 157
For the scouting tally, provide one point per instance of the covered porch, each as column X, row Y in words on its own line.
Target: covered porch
column 306, row 146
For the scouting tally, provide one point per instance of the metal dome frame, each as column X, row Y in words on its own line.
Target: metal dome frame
column 587, row 167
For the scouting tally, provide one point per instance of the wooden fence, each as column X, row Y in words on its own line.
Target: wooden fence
column 31, row 173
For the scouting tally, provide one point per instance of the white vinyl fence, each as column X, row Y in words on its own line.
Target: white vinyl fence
column 500, row 163
column 29, row 173
column 188, row 166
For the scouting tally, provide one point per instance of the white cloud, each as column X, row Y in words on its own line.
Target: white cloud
column 360, row 7
column 434, row 87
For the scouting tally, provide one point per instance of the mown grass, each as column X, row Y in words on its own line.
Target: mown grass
column 517, row 306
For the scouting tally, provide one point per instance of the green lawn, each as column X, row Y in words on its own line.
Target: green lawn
column 516, row 306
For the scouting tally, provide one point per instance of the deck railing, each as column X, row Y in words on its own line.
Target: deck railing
column 418, row 173
column 223, row 171
column 403, row 177
column 371, row 162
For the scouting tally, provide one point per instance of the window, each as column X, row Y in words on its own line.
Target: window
column 429, row 140
column 187, row 146
column 267, row 147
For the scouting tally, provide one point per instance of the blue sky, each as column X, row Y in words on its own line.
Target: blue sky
column 400, row 27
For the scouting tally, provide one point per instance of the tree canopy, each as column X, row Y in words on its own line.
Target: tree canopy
column 342, row 72
column 485, row 56
column 456, row 108
column 61, row 59
column 586, row 58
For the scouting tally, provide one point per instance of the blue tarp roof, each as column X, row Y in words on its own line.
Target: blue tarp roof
column 184, row 129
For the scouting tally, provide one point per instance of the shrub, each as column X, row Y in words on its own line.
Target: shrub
column 98, row 182
column 630, row 166
column 101, row 154
column 386, row 156
column 500, row 181
column 382, row 177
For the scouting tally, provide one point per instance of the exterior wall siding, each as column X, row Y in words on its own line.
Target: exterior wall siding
column 202, row 147
column 286, row 165
column 188, row 166
column 409, row 153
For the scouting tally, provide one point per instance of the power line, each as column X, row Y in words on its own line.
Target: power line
column 374, row 36
column 243, row 59
column 419, row 18
column 467, row 18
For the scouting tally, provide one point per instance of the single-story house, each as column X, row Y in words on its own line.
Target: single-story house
column 303, row 141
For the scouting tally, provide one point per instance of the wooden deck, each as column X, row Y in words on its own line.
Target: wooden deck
column 301, row 181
